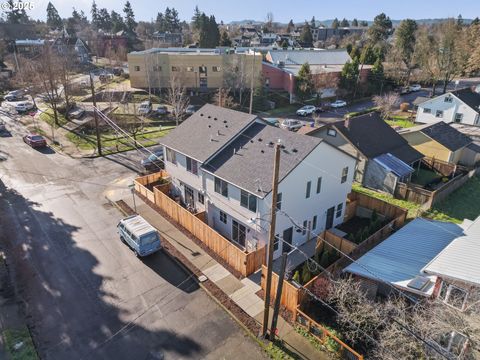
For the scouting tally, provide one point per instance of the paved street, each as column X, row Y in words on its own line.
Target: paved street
column 87, row 296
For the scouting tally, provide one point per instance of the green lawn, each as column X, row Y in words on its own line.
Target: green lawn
column 462, row 204
column 401, row 121
column 27, row 351
column 47, row 116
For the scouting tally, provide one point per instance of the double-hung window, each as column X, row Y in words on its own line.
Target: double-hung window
column 221, row 187
column 171, row 156
column 279, row 201
column 309, row 187
column 453, row 295
column 319, row 185
column 339, row 210
column 248, row 201
column 344, row 174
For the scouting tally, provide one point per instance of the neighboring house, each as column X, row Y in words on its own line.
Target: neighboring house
column 282, row 66
column 460, row 106
column 29, row 48
column 167, row 39
column 385, row 157
column 221, row 161
column 67, row 45
column 106, row 43
column 399, row 260
column 418, row 101
column 264, row 39
column 200, row 69
column 440, row 141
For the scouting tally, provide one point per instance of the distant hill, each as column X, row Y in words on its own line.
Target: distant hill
column 328, row 22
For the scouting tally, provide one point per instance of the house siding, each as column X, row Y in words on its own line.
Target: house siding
column 470, row 116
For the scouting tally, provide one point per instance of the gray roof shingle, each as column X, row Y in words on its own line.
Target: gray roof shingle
column 247, row 162
column 469, row 97
column 207, row 131
column 446, row 135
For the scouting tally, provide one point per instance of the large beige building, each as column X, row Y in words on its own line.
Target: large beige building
column 194, row 68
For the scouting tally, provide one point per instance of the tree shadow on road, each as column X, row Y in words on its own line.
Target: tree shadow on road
column 64, row 296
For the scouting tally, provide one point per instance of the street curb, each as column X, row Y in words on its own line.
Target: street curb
column 218, row 302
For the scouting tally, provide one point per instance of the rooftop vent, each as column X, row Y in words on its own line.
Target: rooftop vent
column 218, row 133
column 294, row 150
column 251, row 141
column 260, row 139
column 209, row 117
column 215, row 118
column 201, row 114
column 270, row 143
column 224, row 121
column 282, row 146
column 226, row 126
column 209, row 126
column 262, row 151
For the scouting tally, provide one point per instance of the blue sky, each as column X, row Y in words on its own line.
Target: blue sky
column 283, row 11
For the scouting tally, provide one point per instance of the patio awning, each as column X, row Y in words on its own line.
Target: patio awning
column 394, row 164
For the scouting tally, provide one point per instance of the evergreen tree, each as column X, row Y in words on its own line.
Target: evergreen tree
column 160, row 23
column 304, row 82
column 368, row 56
column 405, row 40
column 344, row 23
column 225, row 39
column 54, row 21
column 284, row 44
column 349, row 75
column 363, row 23
column 130, row 23
column 335, row 23
column 306, row 37
column 313, row 23
column 16, row 15
column 290, row 26
column 197, row 18
column 214, row 32
column 460, row 20
column 117, row 22
column 475, row 21
column 104, row 20
column 376, row 76
column 95, row 16
column 380, row 29
column 354, row 23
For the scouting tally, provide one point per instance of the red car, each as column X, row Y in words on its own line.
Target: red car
column 35, row 141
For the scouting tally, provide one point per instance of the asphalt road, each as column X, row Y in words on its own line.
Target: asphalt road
column 86, row 295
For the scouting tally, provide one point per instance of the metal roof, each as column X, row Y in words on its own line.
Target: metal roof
column 459, row 260
column 402, row 256
column 394, row 164
column 313, row 57
column 138, row 225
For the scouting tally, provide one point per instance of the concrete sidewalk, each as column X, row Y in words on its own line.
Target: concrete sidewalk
column 242, row 292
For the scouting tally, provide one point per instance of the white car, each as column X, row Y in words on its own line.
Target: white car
column 338, row 104
column 24, row 106
column 415, row 87
column 306, row 110
column 145, row 108
column 291, row 124
column 76, row 113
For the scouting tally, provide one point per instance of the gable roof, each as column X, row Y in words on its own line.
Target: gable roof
column 446, row 135
column 402, row 256
column 247, row 161
column 373, row 137
column 313, row 57
column 459, row 260
column 469, row 97
column 207, row 131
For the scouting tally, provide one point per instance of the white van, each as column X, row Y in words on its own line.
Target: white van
column 139, row 235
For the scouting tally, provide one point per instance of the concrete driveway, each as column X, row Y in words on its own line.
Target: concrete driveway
column 86, row 295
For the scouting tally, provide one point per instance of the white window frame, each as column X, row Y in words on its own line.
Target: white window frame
column 458, row 117
column 344, row 175
column 439, row 114
column 448, row 99
column 171, row 156
column 446, row 299
column 223, row 217
column 427, row 110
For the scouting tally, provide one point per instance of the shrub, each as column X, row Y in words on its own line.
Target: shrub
column 324, row 260
column 404, row 106
column 374, row 216
column 306, row 274
column 296, row 277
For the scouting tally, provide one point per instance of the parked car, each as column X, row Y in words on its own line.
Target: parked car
column 105, row 77
column 76, row 113
column 24, row 106
column 415, row 87
column 192, row 109
column 117, row 71
column 272, row 121
column 145, row 108
column 15, row 95
column 306, row 110
column 35, row 140
column 404, row 90
column 154, row 162
column 139, row 235
column 291, row 124
column 161, row 110
column 338, row 104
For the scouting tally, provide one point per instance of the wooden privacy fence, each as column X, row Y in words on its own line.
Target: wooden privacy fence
column 243, row 262
column 336, row 241
column 291, row 295
column 323, row 334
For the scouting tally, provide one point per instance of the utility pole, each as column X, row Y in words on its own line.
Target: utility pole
column 276, row 307
column 99, row 144
column 251, row 83
column 271, row 239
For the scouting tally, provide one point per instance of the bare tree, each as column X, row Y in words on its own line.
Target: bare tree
column 236, row 76
column 386, row 103
column 177, row 98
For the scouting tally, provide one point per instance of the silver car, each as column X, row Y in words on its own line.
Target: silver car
column 291, row 124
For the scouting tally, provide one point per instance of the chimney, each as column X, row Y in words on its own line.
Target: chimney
column 218, row 132
column 347, row 122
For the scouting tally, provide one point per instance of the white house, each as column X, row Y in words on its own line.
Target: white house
column 221, row 161
column 460, row 106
